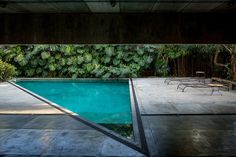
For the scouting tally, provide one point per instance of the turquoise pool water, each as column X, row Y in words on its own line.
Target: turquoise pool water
column 103, row 102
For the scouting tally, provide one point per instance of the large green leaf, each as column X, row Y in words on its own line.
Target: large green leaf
column 45, row 55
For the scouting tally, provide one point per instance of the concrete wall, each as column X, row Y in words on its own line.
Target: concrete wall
column 117, row 28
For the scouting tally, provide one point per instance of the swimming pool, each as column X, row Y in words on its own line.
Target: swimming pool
column 102, row 102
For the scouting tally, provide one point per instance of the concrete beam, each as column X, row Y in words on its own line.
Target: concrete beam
column 117, row 28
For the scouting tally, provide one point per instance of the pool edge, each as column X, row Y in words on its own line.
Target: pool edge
column 130, row 143
column 142, row 136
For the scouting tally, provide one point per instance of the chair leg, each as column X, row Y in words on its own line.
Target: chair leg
column 165, row 80
column 219, row 91
column 184, row 88
column 212, row 91
column 178, row 86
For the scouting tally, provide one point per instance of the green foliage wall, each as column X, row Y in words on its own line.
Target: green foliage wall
column 79, row 60
column 100, row 61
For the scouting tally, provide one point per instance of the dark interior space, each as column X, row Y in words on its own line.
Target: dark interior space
column 197, row 120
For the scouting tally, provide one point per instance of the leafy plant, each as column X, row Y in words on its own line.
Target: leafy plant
column 102, row 61
column 7, row 71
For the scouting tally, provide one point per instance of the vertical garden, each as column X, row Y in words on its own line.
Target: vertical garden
column 110, row 61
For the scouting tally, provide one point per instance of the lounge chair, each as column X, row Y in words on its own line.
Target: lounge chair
column 228, row 85
column 190, row 79
column 214, row 87
column 184, row 85
column 200, row 77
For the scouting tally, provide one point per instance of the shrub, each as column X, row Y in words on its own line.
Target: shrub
column 7, row 71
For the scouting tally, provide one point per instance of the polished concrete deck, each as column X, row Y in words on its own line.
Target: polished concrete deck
column 14, row 101
column 192, row 123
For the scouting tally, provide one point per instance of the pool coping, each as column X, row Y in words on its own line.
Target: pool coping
column 70, row 79
column 137, row 142
column 142, row 136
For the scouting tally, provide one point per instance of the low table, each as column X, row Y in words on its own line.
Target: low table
column 215, row 87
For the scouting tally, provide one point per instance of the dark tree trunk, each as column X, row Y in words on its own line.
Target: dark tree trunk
column 233, row 62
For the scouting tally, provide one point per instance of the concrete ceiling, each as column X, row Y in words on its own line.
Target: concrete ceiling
column 116, row 6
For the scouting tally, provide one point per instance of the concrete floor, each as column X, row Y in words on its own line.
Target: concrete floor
column 186, row 123
column 14, row 101
column 175, row 123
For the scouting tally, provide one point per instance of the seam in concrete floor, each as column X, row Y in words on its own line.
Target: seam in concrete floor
column 140, row 124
